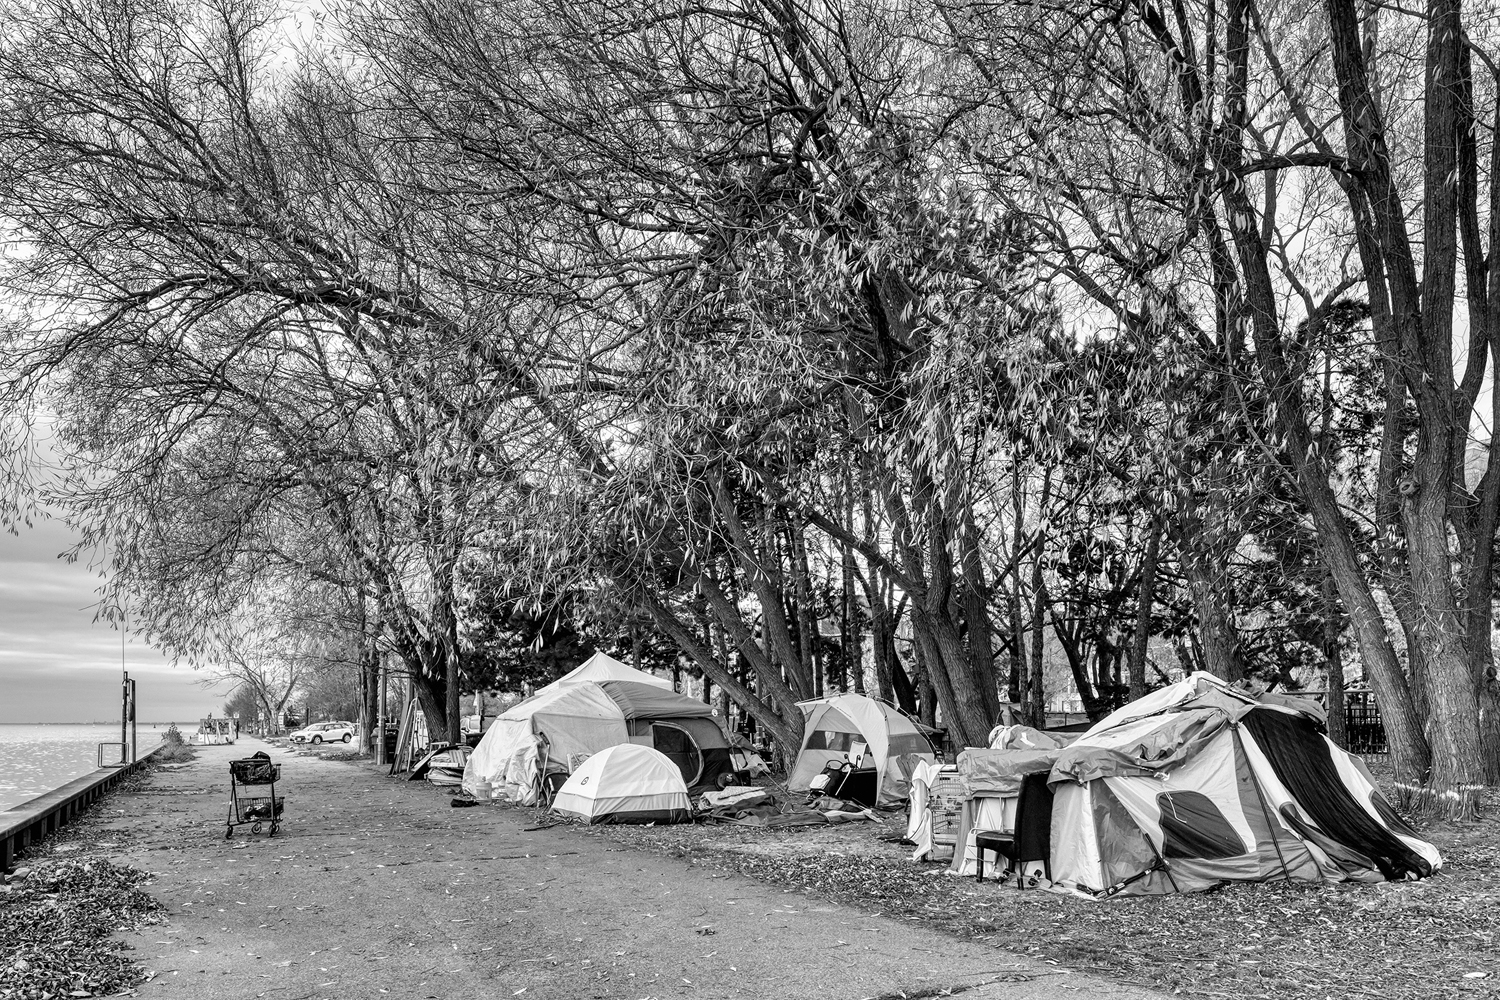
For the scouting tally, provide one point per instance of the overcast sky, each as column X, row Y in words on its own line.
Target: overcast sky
column 57, row 664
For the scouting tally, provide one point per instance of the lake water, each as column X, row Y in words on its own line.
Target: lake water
column 34, row 759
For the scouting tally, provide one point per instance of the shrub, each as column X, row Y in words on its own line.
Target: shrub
column 175, row 748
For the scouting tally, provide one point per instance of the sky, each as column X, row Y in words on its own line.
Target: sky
column 58, row 665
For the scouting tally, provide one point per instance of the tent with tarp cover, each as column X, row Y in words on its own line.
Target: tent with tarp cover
column 1200, row 783
column 555, row 730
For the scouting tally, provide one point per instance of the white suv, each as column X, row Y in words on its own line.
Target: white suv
column 325, row 732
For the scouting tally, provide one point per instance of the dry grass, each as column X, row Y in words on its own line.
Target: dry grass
column 1427, row 940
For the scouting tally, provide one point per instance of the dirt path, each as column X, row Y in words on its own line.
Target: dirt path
column 378, row 888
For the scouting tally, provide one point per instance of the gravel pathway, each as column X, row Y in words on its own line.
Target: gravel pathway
column 376, row 887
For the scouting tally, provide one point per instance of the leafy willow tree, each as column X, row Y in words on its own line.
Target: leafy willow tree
column 980, row 330
column 239, row 317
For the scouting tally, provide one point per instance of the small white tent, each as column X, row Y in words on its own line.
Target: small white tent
column 832, row 725
column 602, row 667
column 628, row 783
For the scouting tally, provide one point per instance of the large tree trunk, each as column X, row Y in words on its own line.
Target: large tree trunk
column 1017, row 637
column 1420, row 321
column 369, row 672
column 1458, row 766
column 430, row 686
column 452, row 710
column 1479, row 586
column 976, row 594
column 1409, row 751
column 926, row 696
column 891, row 679
column 1333, row 663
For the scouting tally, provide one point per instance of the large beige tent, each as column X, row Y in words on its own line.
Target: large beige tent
column 832, row 725
column 553, row 729
column 602, row 667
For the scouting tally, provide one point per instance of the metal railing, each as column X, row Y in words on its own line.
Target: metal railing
column 1362, row 723
column 124, row 749
column 31, row 821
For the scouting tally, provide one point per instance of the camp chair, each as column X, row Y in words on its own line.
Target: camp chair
column 548, row 781
column 1032, row 838
column 550, row 784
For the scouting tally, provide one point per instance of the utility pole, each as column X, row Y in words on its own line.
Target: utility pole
column 124, row 706
column 130, row 705
column 124, row 689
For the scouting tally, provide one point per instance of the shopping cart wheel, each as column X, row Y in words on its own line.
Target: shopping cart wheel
column 274, row 828
column 228, row 832
column 255, row 828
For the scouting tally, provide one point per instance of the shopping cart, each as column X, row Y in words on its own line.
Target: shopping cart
column 252, row 794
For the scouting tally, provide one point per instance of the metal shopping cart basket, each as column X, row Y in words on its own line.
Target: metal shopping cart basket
column 252, row 795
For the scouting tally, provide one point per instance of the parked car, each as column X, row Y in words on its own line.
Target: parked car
column 325, row 732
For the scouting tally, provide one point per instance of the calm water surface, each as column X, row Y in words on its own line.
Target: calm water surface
column 35, row 759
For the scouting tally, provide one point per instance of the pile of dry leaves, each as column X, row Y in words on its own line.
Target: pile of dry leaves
column 56, row 923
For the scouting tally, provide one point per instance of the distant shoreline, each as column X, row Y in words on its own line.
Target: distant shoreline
column 103, row 722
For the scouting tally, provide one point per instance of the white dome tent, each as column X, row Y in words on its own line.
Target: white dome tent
column 834, row 724
column 628, row 783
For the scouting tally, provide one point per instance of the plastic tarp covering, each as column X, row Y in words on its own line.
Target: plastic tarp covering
column 1335, row 865
column 625, row 783
column 1000, row 772
column 1027, row 738
column 1201, row 690
column 1142, row 747
column 575, row 718
column 918, row 819
column 1296, row 704
column 646, row 701
column 504, row 764
column 603, row 667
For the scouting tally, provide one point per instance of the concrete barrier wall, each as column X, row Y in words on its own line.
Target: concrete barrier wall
column 30, row 821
